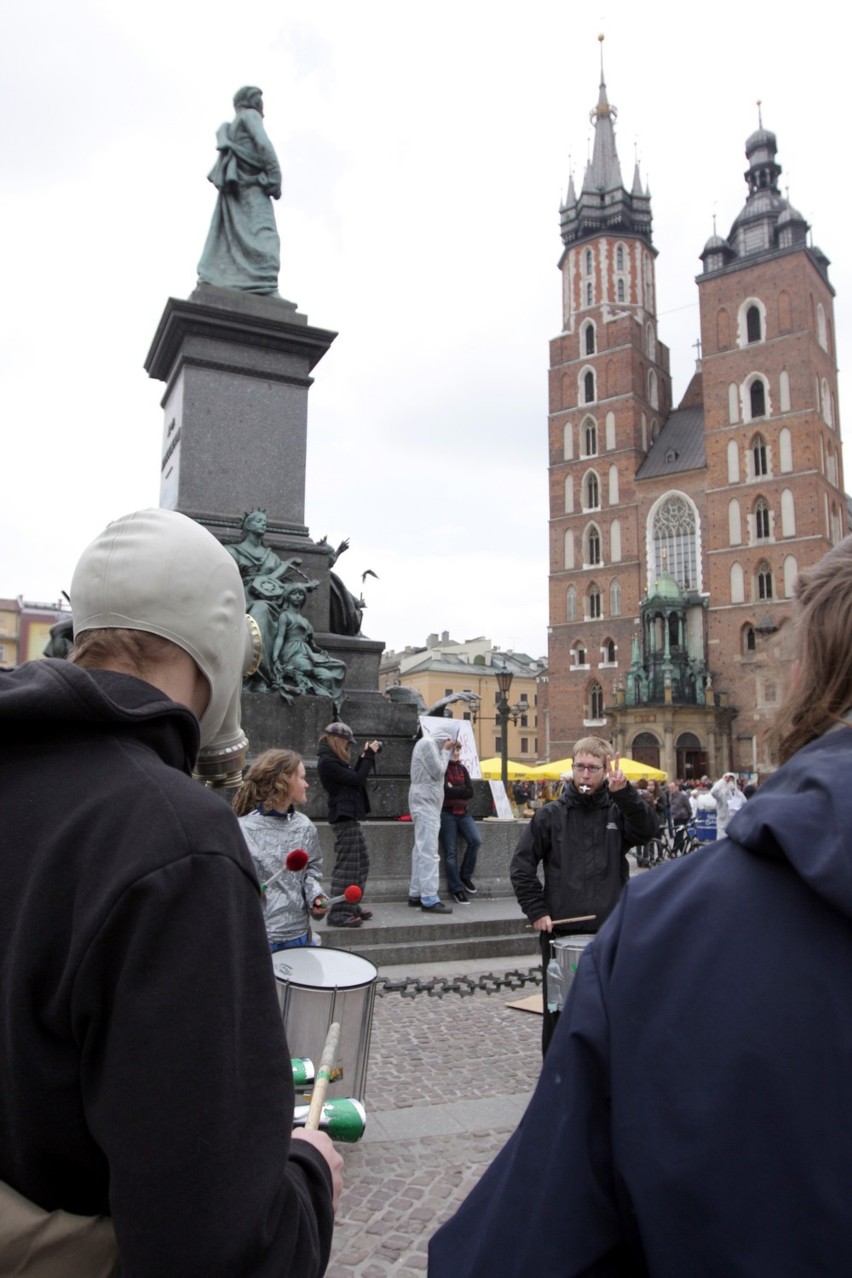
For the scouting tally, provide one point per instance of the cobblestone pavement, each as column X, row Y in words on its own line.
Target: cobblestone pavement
column 448, row 1080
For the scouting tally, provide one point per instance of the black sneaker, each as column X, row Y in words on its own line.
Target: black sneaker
column 414, row 902
column 469, row 886
column 437, row 908
column 462, row 898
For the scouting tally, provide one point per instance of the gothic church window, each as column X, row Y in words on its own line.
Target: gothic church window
column 615, row 541
column 594, row 604
column 596, row 701
column 735, row 530
column 610, row 430
column 590, row 438
column 589, row 338
column 571, row 603
column 613, row 485
column 675, row 540
column 749, row 641
column 588, row 261
column 761, row 519
column 652, row 389
column 764, row 581
column 569, row 495
column 758, row 457
column 590, row 297
column 754, row 331
column 620, row 290
column 588, row 387
column 737, row 584
column 592, row 492
column 619, row 258
column 784, row 391
column 608, row 652
column 593, row 546
column 615, row 598
column 757, row 398
column 822, row 330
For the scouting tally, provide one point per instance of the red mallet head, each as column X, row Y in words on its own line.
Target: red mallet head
column 296, row 860
column 353, row 894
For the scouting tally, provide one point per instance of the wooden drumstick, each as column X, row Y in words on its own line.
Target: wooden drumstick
column 326, row 1066
column 579, row 918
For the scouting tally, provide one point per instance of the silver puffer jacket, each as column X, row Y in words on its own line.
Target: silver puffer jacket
column 270, row 837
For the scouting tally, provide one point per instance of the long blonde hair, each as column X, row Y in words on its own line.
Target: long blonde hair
column 822, row 688
column 267, row 780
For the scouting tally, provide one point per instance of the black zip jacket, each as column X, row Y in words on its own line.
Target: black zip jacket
column 144, row 1071
column 345, row 785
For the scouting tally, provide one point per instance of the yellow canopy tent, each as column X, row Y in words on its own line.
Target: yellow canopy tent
column 492, row 770
column 631, row 769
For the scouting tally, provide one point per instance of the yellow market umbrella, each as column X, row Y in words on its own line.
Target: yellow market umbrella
column 631, row 769
column 550, row 771
column 492, row 770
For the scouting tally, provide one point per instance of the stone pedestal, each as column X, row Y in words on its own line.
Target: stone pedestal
column 237, row 370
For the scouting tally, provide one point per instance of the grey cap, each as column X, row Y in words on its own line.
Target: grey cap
column 338, row 729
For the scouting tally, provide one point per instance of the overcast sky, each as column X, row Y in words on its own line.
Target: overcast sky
column 425, row 151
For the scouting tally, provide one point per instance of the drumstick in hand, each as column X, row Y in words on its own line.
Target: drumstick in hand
column 579, row 918
column 327, row 1060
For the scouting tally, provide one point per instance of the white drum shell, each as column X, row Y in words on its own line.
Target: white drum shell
column 317, row 986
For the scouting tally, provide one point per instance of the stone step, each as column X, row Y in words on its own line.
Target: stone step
column 418, row 950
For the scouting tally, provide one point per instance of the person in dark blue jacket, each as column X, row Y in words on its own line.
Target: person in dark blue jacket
column 694, row 1112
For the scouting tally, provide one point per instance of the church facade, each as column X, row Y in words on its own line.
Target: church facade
column 677, row 532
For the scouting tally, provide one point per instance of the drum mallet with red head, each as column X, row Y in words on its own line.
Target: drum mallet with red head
column 295, row 861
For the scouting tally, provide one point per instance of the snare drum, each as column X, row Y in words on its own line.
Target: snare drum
column 317, row 987
column 568, row 950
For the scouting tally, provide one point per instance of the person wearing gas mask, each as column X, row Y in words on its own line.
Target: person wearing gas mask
column 146, row 1096
column 581, row 841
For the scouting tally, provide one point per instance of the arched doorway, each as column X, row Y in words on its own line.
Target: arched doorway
column 646, row 749
column 690, row 759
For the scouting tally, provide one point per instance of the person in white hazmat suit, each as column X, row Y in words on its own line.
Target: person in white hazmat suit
column 429, row 761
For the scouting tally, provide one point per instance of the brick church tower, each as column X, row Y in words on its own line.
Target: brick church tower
column 676, row 533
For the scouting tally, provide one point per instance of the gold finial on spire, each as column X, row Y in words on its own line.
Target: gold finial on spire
column 759, row 114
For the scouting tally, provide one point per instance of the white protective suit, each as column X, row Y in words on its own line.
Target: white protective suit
column 429, row 761
column 723, row 791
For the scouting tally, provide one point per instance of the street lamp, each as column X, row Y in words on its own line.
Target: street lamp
column 504, row 683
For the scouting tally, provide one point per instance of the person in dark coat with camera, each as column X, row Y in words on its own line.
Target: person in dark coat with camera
column 348, row 805
column 581, row 841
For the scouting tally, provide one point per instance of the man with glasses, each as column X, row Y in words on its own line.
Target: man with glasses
column 581, row 841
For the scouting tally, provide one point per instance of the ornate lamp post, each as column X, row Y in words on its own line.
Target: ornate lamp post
column 504, row 710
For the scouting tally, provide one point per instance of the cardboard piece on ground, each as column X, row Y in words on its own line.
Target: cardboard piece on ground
column 531, row 1004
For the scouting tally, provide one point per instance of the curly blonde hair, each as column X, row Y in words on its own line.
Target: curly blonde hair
column 267, row 781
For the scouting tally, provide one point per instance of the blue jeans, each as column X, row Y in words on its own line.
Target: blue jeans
column 451, row 827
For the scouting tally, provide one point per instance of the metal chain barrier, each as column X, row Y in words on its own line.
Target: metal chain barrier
column 464, row 986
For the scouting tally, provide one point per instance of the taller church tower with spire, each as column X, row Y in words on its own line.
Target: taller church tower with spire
column 676, row 533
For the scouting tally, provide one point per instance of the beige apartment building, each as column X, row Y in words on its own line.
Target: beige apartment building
column 445, row 667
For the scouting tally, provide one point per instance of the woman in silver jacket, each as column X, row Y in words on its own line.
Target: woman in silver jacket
column 272, row 828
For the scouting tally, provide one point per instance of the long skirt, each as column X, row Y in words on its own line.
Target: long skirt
column 351, row 865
